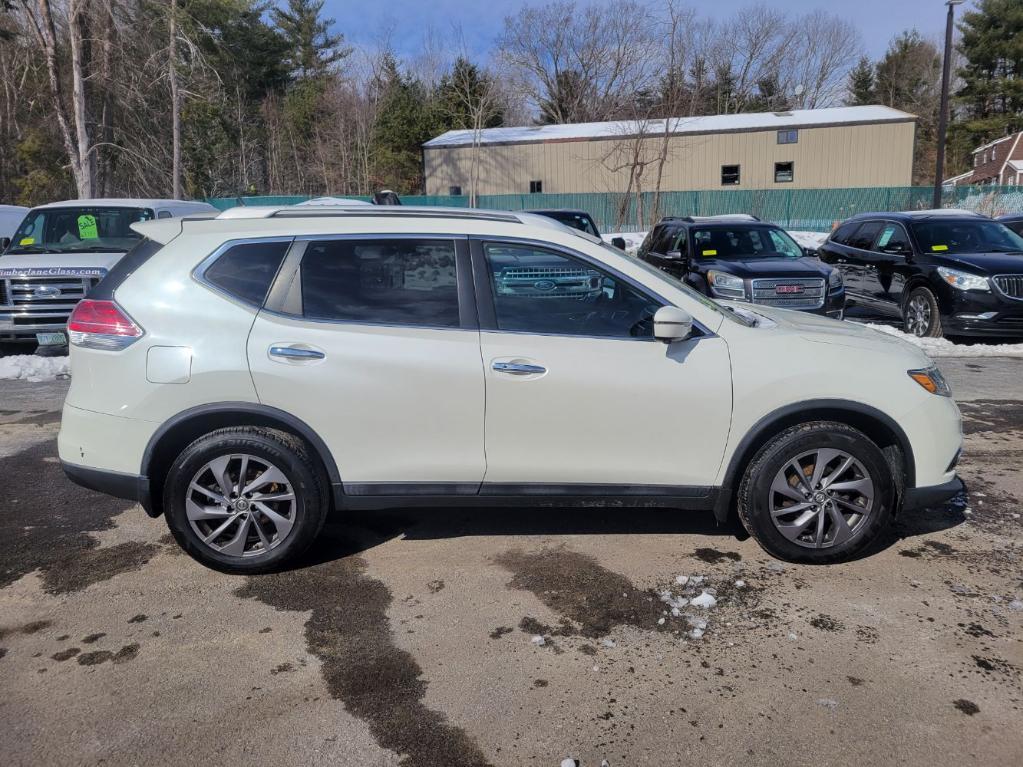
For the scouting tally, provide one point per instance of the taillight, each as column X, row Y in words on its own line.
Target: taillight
column 102, row 325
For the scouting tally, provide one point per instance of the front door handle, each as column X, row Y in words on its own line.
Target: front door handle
column 296, row 353
column 518, row 368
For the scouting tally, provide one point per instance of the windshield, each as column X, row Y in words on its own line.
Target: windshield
column 78, row 229
column 678, row 285
column 724, row 242
column 579, row 221
column 966, row 237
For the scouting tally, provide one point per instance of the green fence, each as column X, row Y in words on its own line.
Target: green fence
column 809, row 209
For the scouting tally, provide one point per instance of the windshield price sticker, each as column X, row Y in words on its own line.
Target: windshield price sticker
column 52, row 271
column 710, row 252
column 87, row 229
column 27, row 241
column 939, row 247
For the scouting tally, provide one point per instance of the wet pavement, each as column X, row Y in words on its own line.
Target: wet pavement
column 513, row 636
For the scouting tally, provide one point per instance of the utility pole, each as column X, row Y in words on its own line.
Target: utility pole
column 946, row 65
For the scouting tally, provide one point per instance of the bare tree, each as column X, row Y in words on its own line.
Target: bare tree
column 172, row 76
column 827, row 49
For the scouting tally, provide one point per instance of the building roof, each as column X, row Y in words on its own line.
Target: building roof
column 754, row 121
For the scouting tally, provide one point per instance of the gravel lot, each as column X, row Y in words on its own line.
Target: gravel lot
column 409, row 637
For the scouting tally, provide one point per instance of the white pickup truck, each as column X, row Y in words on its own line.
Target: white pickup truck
column 60, row 251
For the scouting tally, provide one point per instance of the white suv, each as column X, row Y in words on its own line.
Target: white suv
column 245, row 375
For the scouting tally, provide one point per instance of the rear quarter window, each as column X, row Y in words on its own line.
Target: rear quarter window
column 247, row 270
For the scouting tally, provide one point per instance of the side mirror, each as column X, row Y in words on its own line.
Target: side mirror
column 673, row 255
column 811, row 253
column 4, row 243
column 618, row 242
column 672, row 324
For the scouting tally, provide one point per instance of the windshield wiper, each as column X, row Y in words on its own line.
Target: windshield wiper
column 95, row 249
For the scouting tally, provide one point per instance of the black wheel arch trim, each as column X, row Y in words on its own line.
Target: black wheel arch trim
column 770, row 423
column 284, row 418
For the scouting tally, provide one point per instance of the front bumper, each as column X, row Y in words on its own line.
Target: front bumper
column 977, row 313
column 934, row 495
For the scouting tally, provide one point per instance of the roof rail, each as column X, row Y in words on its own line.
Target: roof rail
column 720, row 217
column 387, row 211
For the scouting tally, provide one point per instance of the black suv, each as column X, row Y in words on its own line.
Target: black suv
column 942, row 271
column 1014, row 221
column 744, row 259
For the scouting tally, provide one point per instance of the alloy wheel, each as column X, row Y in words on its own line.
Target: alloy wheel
column 821, row 498
column 918, row 316
column 241, row 505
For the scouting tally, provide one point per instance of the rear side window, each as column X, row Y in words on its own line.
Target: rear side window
column 391, row 282
column 246, row 270
column 865, row 235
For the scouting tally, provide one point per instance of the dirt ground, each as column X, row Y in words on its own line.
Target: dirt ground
column 410, row 637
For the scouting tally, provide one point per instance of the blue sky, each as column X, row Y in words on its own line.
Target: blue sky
column 480, row 21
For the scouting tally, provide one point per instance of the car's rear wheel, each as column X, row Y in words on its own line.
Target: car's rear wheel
column 245, row 500
column 920, row 314
column 818, row 493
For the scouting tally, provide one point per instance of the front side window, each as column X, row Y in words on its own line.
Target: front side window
column 79, row 229
column 967, row 237
column 729, row 175
column 784, row 172
column 744, row 242
column 893, row 239
column 246, row 270
column 540, row 291
column 392, row 282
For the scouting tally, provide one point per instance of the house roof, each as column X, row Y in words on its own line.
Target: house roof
column 755, row 121
column 1005, row 149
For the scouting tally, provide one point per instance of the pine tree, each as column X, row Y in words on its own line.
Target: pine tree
column 992, row 91
column 463, row 92
column 861, row 84
column 314, row 50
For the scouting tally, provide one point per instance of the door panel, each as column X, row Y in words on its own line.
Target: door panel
column 393, row 404
column 606, row 411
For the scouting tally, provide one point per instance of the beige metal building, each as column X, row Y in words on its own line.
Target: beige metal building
column 809, row 149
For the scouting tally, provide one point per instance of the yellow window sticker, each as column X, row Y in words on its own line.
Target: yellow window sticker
column 939, row 247
column 87, row 229
column 27, row 241
column 710, row 252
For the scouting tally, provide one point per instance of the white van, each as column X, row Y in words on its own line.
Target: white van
column 60, row 251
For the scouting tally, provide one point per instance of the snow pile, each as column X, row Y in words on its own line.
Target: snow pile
column 808, row 239
column 706, row 600
column 28, row 367
column 538, row 640
column 942, row 347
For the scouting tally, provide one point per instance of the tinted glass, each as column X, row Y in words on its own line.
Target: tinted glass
column 966, row 237
column 579, row 221
column 893, row 239
column 538, row 291
column 744, row 242
column 864, row 237
column 1016, row 226
column 246, row 270
column 844, row 233
column 394, row 282
column 79, row 229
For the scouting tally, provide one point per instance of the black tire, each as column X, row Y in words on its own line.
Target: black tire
column 920, row 314
column 281, row 450
column 756, row 494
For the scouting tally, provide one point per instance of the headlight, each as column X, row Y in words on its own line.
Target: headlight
column 932, row 380
column 964, row 280
column 835, row 280
column 726, row 285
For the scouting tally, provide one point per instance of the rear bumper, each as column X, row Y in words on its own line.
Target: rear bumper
column 934, row 495
column 130, row 487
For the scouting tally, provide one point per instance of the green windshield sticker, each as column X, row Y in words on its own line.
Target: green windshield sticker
column 939, row 247
column 27, row 241
column 885, row 236
column 710, row 252
column 87, row 227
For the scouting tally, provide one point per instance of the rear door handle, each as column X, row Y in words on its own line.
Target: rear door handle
column 296, row 353
column 518, row 368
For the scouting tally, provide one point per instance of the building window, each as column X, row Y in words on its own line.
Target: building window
column 788, row 136
column 536, row 187
column 729, row 175
column 784, row 172
column 454, row 191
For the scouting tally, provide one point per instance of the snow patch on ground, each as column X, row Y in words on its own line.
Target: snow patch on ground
column 29, row 367
column 942, row 347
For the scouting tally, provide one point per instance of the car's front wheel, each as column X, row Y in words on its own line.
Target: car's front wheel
column 818, row 493
column 920, row 314
column 245, row 499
